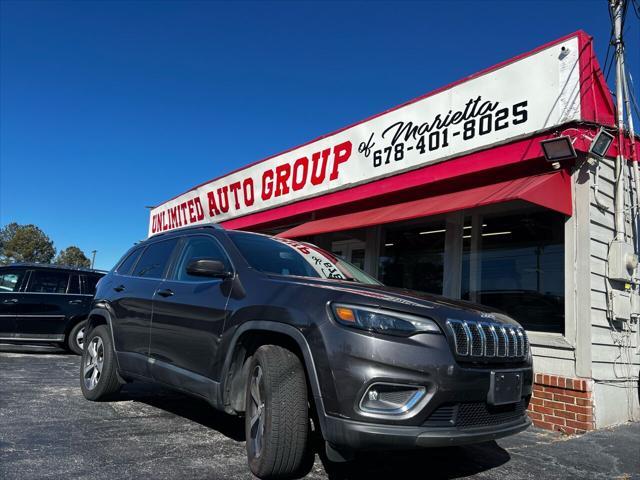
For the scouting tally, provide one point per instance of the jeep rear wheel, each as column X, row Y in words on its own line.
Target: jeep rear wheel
column 277, row 414
column 98, row 376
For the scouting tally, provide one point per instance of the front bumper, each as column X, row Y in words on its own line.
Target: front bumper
column 353, row 361
column 366, row 436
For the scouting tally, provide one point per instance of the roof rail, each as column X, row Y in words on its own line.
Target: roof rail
column 215, row 226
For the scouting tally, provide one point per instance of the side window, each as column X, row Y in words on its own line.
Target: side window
column 89, row 283
column 74, row 284
column 154, row 260
column 198, row 247
column 127, row 264
column 45, row 281
column 11, row 280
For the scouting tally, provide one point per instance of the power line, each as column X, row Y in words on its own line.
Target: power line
column 606, row 60
column 610, row 48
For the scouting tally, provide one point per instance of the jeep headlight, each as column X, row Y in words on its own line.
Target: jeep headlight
column 382, row 321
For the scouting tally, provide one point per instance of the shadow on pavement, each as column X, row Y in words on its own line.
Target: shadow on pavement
column 445, row 463
column 433, row 463
column 190, row 408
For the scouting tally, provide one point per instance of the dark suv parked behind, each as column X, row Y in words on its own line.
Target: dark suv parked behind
column 45, row 303
column 295, row 340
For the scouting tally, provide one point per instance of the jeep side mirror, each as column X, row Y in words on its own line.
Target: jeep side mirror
column 207, row 267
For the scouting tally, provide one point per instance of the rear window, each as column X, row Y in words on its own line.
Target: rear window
column 43, row 281
column 125, row 266
column 154, row 260
column 89, row 283
column 288, row 257
column 74, row 284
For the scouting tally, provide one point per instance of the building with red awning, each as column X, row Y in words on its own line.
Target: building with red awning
column 451, row 193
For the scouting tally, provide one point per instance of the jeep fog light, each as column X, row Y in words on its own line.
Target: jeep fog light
column 392, row 399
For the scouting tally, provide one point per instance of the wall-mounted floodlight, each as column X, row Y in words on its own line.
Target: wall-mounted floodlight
column 558, row 148
column 601, row 143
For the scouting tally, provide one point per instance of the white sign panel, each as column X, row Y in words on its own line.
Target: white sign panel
column 519, row 98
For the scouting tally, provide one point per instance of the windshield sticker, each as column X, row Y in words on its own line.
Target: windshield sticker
column 321, row 263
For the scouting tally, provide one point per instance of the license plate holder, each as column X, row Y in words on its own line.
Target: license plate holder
column 505, row 387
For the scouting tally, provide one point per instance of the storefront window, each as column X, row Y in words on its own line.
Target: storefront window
column 510, row 261
column 413, row 257
column 517, row 266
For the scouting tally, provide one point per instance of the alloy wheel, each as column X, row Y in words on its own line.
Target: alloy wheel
column 80, row 338
column 94, row 361
column 256, row 411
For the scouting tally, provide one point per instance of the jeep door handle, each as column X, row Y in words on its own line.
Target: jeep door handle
column 165, row 293
column 10, row 300
column 75, row 302
column 119, row 288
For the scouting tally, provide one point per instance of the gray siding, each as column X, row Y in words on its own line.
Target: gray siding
column 609, row 360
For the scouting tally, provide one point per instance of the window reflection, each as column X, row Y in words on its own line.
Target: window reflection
column 519, row 268
column 516, row 263
column 413, row 257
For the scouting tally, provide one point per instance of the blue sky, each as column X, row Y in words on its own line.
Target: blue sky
column 106, row 107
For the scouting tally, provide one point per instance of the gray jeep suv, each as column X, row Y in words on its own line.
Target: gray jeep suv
column 299, row 342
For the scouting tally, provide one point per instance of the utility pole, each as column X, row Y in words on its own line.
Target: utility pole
column 634, row 155
column 93, row 258
column 617, row 9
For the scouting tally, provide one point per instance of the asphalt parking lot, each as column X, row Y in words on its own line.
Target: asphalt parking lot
column 48, row 430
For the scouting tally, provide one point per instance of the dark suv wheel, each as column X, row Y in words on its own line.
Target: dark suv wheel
column 98, row 376
column 277, row 414
column 75, row 339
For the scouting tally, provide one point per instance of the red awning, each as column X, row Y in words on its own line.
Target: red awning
column 551, row 191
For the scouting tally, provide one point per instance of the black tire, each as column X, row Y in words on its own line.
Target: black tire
column 73, row 339
column 284, row 449
column 106, row 380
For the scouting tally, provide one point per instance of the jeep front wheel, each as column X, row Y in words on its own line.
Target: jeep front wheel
column 277, row 414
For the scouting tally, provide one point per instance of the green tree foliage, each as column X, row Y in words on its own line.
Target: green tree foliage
column 25, row 243
column 73, row 257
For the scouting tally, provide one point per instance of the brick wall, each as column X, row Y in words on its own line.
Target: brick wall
column 562, row 404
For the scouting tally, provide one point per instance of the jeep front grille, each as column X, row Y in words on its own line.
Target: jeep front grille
column 488, row 340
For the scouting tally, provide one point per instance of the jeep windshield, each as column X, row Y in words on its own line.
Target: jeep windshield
column 282, row 256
